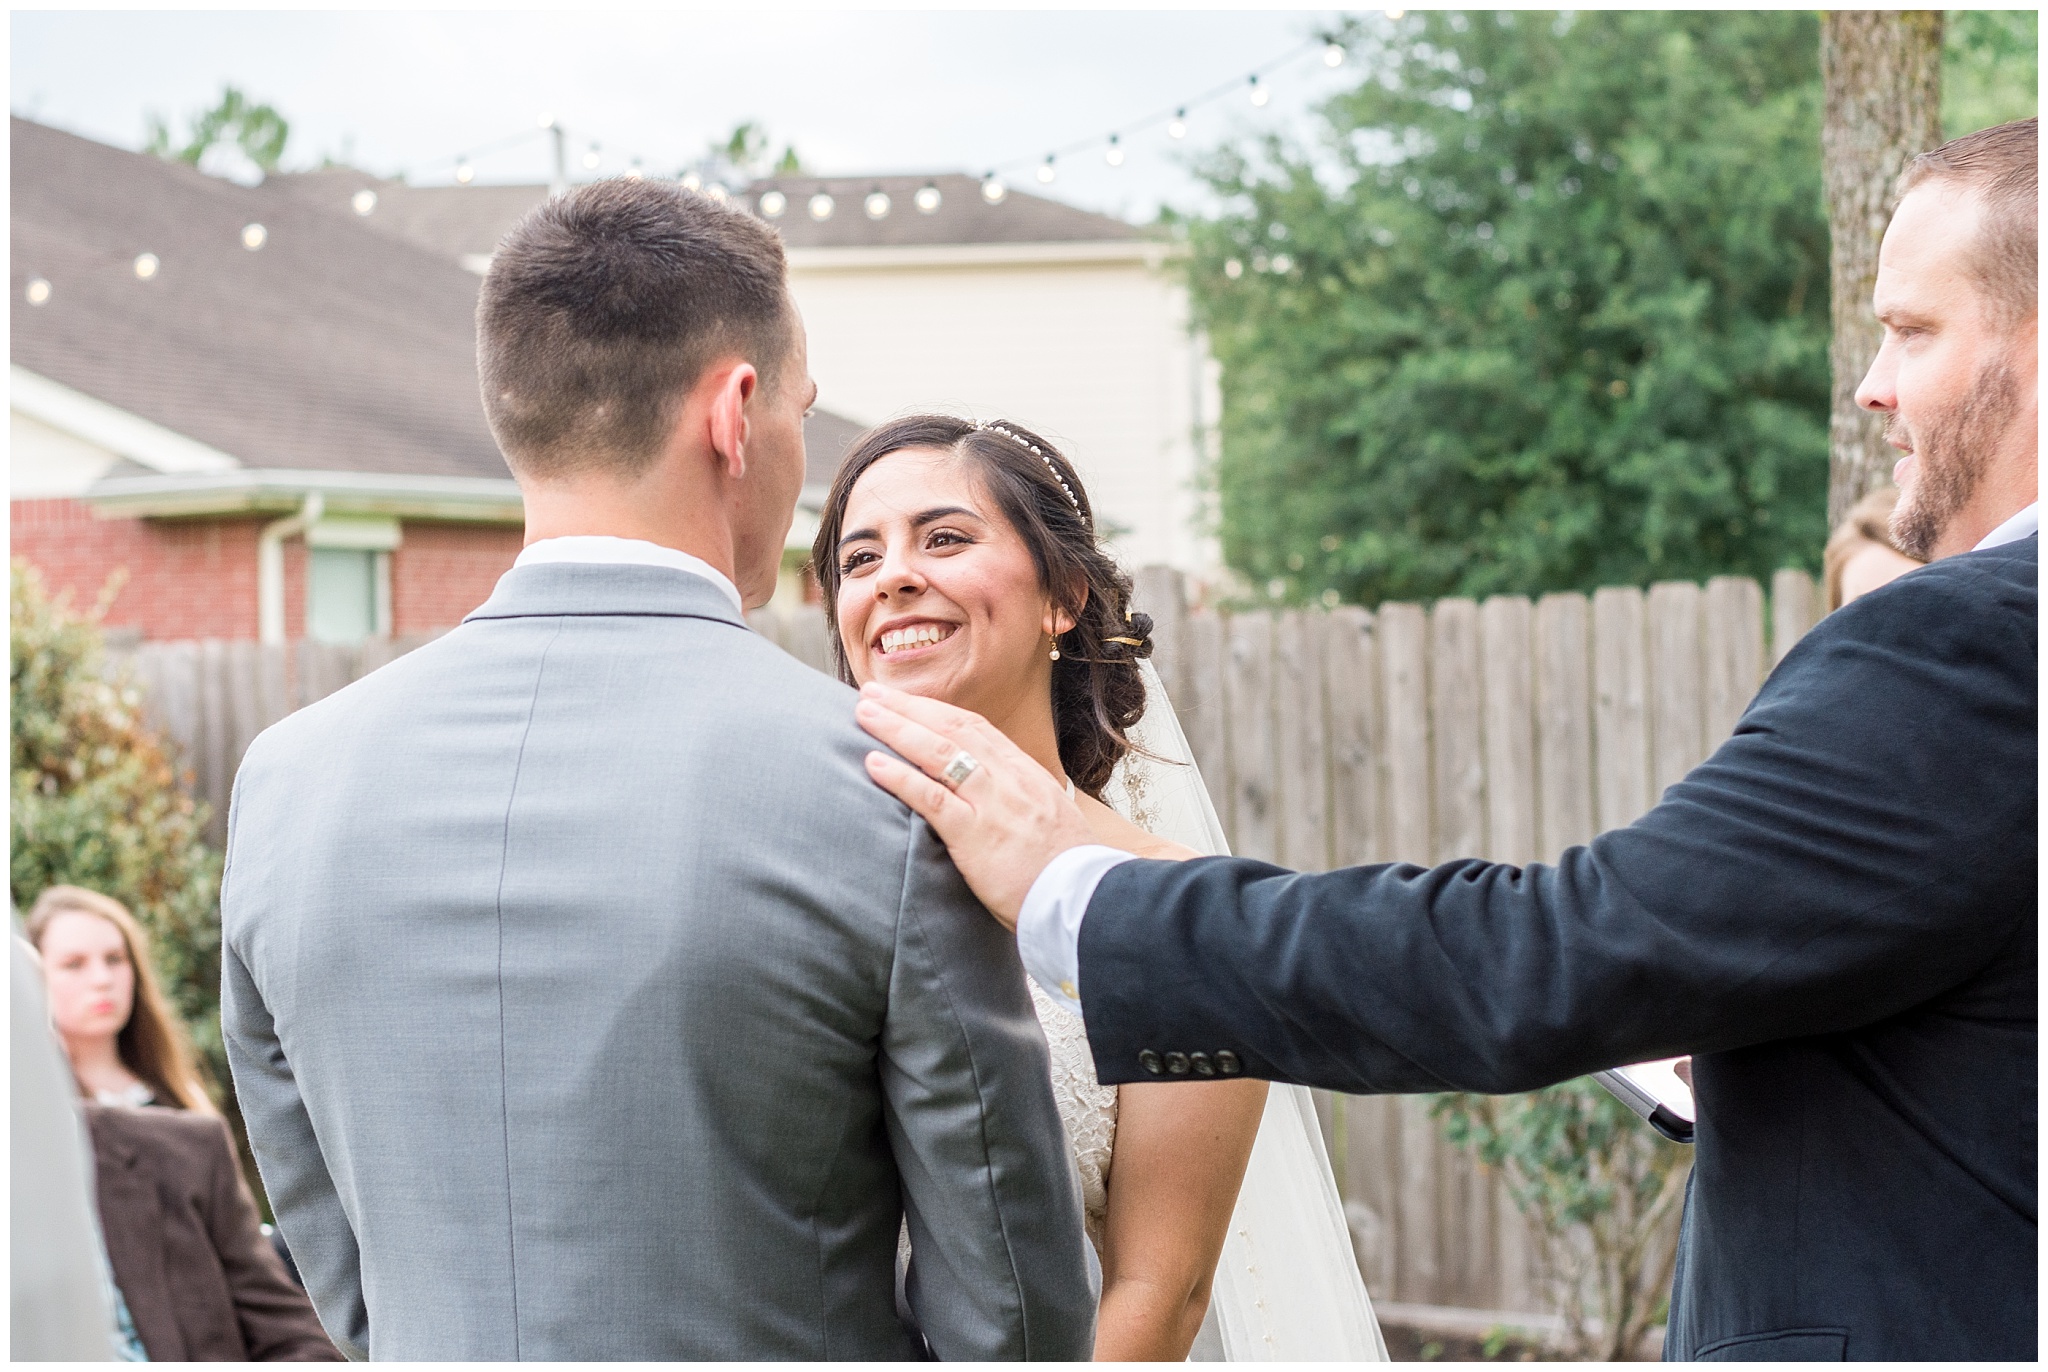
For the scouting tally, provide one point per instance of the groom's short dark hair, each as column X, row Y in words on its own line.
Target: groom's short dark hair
column 604, row 306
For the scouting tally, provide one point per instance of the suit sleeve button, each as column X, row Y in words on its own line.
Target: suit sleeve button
column 1227, row 1063
column 1149, row 1060
column 1177, row 1064
column 1200, row 1062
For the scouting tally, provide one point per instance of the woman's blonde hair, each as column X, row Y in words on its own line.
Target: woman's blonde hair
column 1869, row 521
column 152, row 1044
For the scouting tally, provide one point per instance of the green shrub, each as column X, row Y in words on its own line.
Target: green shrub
column 96, row 803
column 1600, row 1186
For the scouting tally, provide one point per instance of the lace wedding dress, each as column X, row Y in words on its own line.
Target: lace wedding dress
column 1287, row 1287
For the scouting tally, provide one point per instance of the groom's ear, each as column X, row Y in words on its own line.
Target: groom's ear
column 732, row 385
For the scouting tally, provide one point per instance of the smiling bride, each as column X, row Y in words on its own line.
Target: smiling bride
column 960, row 561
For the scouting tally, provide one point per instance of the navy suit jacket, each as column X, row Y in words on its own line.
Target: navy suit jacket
column 1835, row 914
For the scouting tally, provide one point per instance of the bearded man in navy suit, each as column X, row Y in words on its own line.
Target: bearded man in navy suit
column 1835, row 914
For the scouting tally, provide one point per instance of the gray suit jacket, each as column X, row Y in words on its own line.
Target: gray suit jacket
column 586, row 1000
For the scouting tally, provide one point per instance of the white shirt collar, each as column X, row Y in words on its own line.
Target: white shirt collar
column 2027, row 521
column 604, row 548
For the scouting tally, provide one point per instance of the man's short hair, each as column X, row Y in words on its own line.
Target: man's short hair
column 604, row 306
column 2002, row 165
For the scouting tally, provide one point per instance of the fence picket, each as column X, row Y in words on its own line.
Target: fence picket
column 1161, row 592
column 1677, row 702
column 1733, row 649
column 1507, row 691
column 1249, row 707
column 1795, row 607
column 1404, row 676
column 1301, row 732
column 1455, row 727
column 1564, row 724
column 1621, row 713
column 1202, row 713
column 1351, row 695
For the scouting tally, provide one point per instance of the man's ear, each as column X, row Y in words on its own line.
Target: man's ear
column 732, row 386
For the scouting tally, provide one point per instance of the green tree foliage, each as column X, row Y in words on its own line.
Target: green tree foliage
column 1601, row 1186
column 96, row 803
column 258, row 130
column 1548, row 311
column 748, row 151
column 1988, row 63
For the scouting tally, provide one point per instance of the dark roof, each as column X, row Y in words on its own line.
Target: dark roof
column 467, row 221
column 330, row 348
column 333, row 347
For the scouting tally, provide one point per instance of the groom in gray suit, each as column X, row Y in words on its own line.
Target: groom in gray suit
column 584, row 998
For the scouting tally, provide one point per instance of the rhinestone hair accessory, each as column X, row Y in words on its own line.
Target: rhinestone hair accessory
column 1038, row 453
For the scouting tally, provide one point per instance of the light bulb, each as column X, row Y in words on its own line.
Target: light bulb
column 363, row 201
column 1177, row 127
column 633, row 172
column 692, row 182
column 876, row 205
column 1283, row 264
column 1114, row 155
column 1333, row 56
column 928, row 199
column 1260, row 95
column 993, row 190
column 145, row 266
column 821, row 206
column 254, row 236
column 464, row 173
column 1046, row 172
column 38, row 292
column 591, row 157
column 1233, row 269
column 773, row 203
column 1395, row 14
column 718, row 192
column 547, row 120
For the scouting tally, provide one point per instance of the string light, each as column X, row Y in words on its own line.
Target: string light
column 1333, row 56
column 821, row 206
column 992, row 189
column 1045, row 171
column 591, row 157
column 1260, row 95
column 363, row 201
column 633, row 172
column 38, row 291
column 145, row 266
column 773, row 203
column 928, row 199
column 254, row 236
column 718, row 193
column 691, row 181
column 464, row 173
column 1115, row 154
column 1178, row 126
column 547, row 121
column 877, row 204
column 1395, row 14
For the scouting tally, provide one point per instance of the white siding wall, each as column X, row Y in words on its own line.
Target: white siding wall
column 1095, row 355
column 43, row 462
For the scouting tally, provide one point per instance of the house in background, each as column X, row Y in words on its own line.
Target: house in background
column 254, row 408
column 922, row 293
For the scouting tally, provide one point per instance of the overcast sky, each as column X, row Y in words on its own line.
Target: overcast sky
column 855, row 91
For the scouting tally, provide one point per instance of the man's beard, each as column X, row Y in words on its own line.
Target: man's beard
column 1952, row 454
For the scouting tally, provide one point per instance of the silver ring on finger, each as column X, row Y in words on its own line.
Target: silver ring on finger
column 959, row 769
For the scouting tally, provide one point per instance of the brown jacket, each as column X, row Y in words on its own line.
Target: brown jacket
column 201, row 1281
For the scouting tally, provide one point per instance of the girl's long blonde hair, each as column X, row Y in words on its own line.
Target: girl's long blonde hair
column 153, row 1043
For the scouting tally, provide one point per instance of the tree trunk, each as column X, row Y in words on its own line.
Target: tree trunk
column 1882, row 74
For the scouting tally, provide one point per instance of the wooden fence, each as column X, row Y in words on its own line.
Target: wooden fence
column 1506, row 729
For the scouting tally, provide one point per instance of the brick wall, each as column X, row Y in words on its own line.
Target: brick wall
column 443, row 571
column 185, row 580
column 197, row 578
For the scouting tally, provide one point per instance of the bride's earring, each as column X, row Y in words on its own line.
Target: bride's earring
column 1055, row 650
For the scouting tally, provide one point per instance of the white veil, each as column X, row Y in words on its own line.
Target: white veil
column 1287, row 1287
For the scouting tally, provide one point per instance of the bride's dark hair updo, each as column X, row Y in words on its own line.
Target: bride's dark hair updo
column 1097, row 692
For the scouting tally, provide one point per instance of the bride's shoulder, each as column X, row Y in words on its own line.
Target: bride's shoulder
column 1112, row 830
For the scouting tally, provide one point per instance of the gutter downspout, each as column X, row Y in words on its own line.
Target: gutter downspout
column 270, row 567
